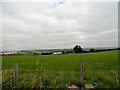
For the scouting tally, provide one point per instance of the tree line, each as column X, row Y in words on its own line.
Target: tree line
column 78, row 49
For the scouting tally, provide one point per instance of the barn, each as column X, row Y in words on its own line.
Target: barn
column 57, row 53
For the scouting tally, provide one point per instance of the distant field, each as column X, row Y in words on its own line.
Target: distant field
column 60, row 71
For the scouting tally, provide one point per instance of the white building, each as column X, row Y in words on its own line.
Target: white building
column 57, row 53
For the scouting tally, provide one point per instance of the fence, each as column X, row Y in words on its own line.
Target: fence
column 81, row 75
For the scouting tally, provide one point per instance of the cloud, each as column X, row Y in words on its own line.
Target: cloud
column 30, row 25
column 60, row 0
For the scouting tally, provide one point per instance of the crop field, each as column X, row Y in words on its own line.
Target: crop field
column 61, row 71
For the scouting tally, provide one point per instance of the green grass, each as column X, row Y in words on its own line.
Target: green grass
column 60, row 71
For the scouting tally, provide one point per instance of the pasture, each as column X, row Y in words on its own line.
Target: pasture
column 61, row 71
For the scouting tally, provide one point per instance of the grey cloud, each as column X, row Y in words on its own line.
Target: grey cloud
column 43, row 25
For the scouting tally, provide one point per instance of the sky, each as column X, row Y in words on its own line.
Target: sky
column 52, row 24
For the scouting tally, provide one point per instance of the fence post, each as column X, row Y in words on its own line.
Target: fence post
column 81, row 72
column 16, row 71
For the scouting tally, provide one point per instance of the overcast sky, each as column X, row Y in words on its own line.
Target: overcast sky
column 59, row 24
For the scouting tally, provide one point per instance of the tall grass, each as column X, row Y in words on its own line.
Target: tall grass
column 39, row 79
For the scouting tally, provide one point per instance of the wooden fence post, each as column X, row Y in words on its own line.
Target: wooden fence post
column 16, row 71
column 81, row 72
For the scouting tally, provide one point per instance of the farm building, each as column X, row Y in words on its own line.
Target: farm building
column 57, row 53
column 8, row 53
column 36, row 53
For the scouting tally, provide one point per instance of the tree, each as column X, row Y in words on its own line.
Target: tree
column 92, row 50
column 78, row 49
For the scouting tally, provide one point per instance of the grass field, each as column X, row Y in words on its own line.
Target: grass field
column 60, row 71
